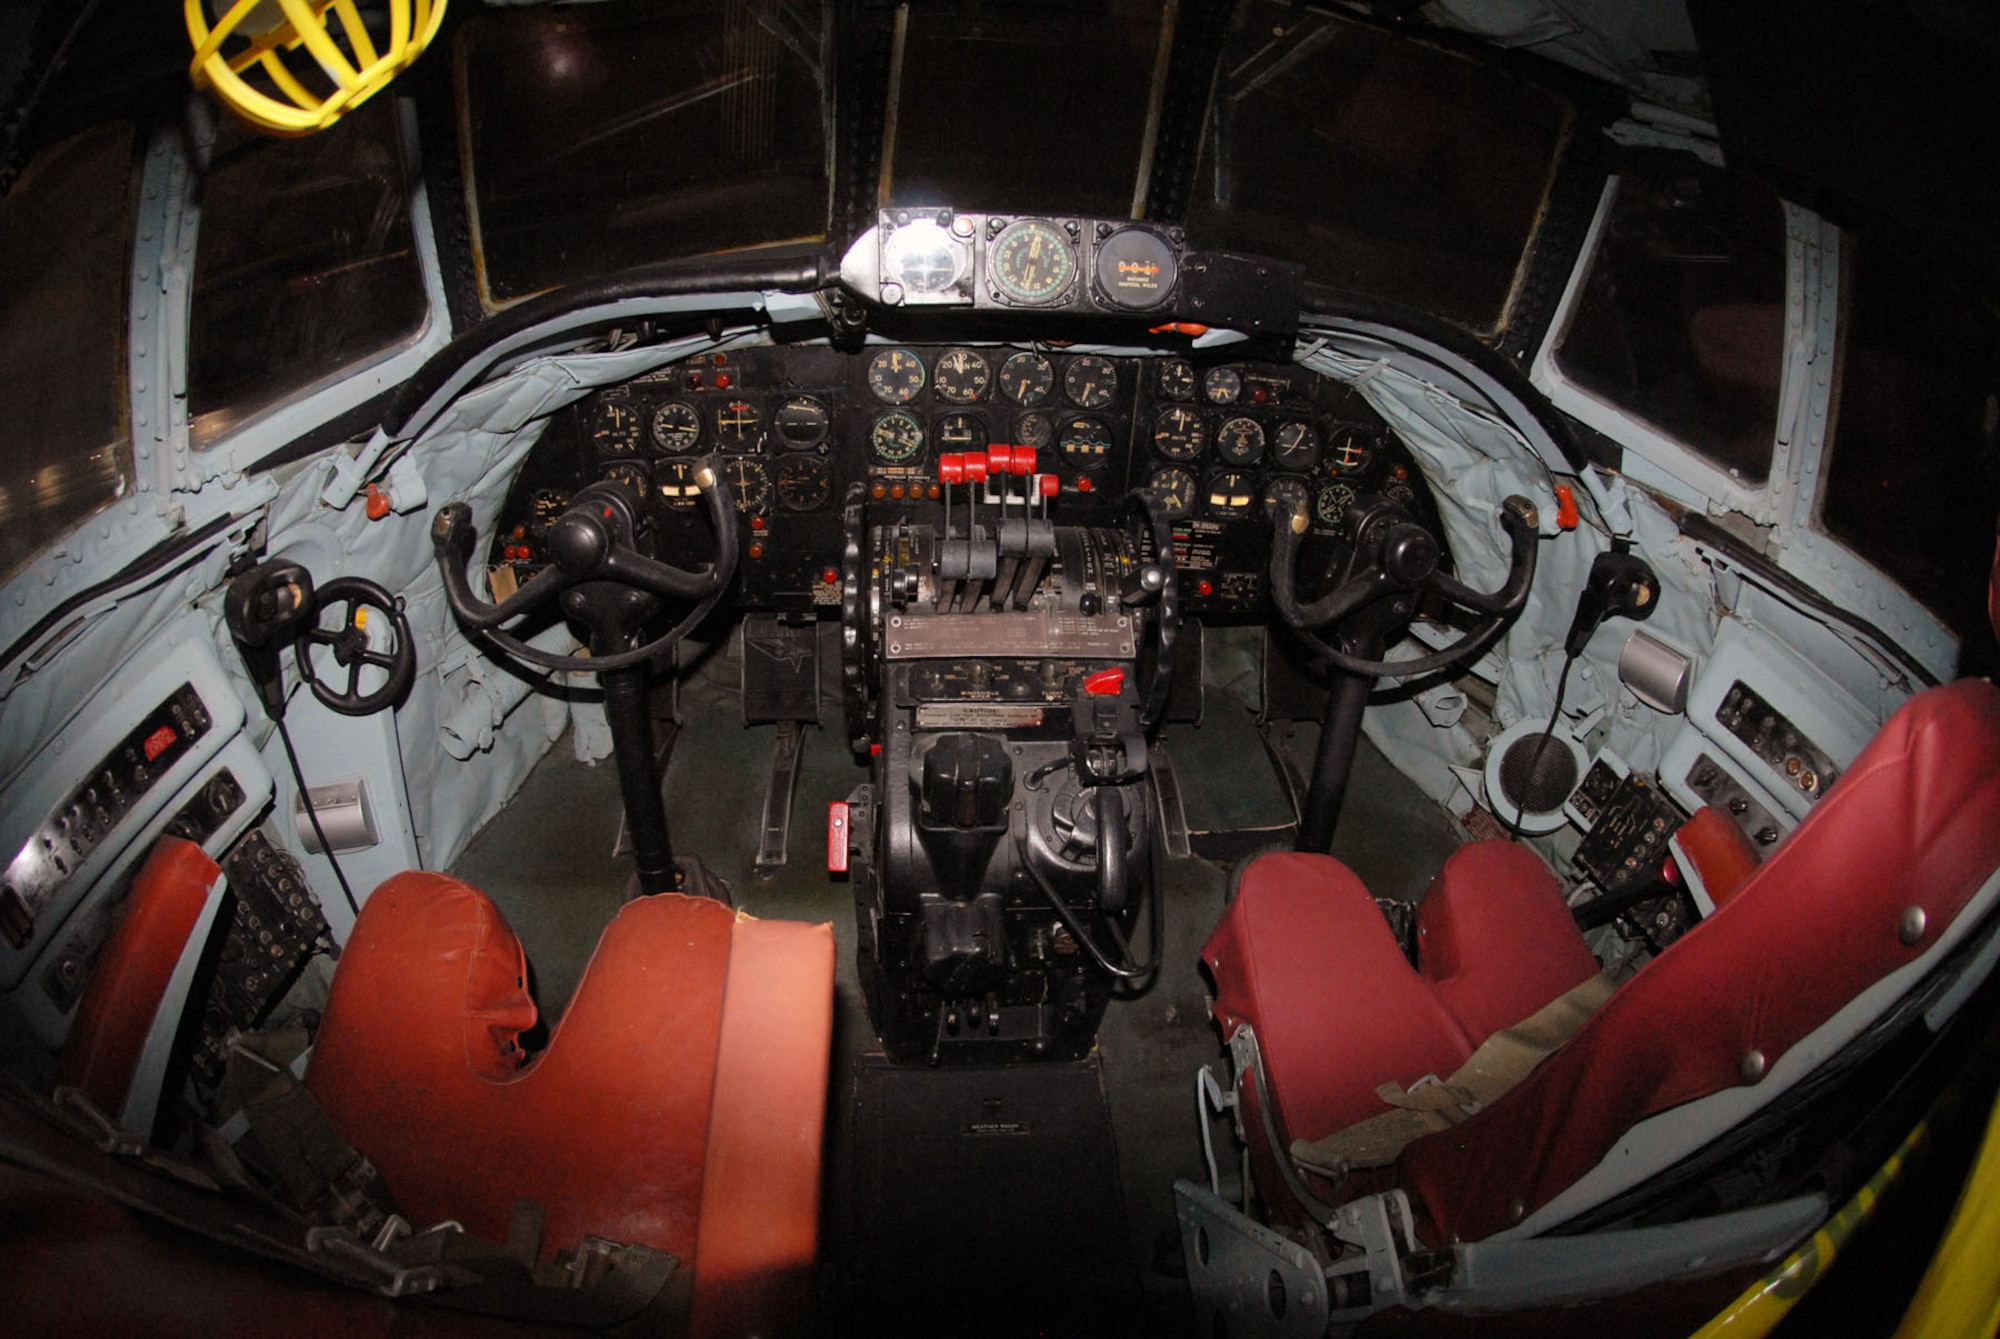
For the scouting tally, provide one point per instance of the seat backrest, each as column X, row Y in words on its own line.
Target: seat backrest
column 1870, row 883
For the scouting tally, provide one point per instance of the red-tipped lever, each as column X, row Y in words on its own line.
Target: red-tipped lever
column 1023, row 461
column 951, row 468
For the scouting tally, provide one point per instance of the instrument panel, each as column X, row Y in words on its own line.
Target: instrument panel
column 1070, row 434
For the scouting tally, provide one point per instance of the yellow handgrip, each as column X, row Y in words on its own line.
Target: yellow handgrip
column 254, row 35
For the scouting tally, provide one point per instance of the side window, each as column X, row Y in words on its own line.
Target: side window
column 306, row 264
column 1913, row 482
column 65, row 250
column 1681, row 320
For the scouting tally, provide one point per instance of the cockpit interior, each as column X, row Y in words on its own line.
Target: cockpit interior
column 1131, row 667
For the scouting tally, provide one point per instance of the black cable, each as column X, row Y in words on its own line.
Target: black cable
column 312, row 814
column 1541, row 745
column 1154, row 931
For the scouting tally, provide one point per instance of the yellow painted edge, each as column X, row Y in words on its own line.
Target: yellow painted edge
column 1960, row 1293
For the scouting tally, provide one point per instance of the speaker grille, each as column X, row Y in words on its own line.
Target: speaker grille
column 1537, row 785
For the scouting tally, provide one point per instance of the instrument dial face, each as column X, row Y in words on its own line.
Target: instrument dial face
column 549, row 503
column 802, row 422
column 1033, row 429
column 618, row 429
column 1295, row 447
column 1240, row 441
column 1085, row 442
column 1222, row 385
column 1230, row 494
column 960, row 432
column 922, row 257
column 1176, row 489
column 803, row 483
column 1027, row 378
column 1177, row 379
column 676, row 427
column 1090, row 381
column 1291, row 497
column 1349, row 451
column 1136, row 269
column 962, row 376
column 1178, row 433
column 674, row 483
column 1332, row 503
column 896, row 439
column 739, row 426
column 895, row 376
column 748, row 483
column 631, row 474
column 1032, row 262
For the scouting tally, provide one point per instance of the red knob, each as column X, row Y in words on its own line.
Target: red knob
column 1024, row 460
column 951, row 468
column 1050, row 485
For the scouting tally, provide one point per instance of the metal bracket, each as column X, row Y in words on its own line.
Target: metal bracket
column 776, row 827
column 1167, row 794
column 398, row 1280
column 1246, row 1280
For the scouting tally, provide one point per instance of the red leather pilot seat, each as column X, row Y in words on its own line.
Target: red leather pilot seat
column 679, row 1103
column 1303, row 956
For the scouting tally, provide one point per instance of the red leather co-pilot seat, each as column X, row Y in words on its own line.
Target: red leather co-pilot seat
column 1880, row 870
column 679, row 1104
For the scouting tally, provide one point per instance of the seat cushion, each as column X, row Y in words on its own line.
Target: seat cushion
column 418, row 1065
column 1495, row 936
column 1304, row 956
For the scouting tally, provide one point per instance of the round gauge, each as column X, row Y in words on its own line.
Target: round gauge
column 548, row 503
column 895, row 376
column 676, row 427
column 1332, row 503
column 1230, row 494
column 802, row 483
column 748, row 483
column 1349, row 450
column 960, row 432
column 739, row 426
column 1178, row 433
column 1175, row 487
column 1295, row 447
column 1136, row 269
column 802, row 422
column 1031, row 262
column 1240, row 441
column 674, row 483
column 1177, row 381
column 1292, row 497
column 1032, row 429
column 1400, row 494
column 1222, row 385
column 1085, row 442
column 962, row 376
column 633, row 476
column 923, row 257
column 896, row 439
column 618, row 429
column 1090, row 381
column 1027, row 379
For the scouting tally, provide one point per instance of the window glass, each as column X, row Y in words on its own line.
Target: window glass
column 1388, row 168
column 1025, row 108
column 608, row 135
column 1682, row 319
column 1913, row 483
column 65, row 250
column 305, row 264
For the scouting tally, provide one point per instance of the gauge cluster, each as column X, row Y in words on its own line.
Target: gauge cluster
column 945, row 257
column 793, row 428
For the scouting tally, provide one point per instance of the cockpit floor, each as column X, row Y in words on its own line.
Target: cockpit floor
column 1066, row 1231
